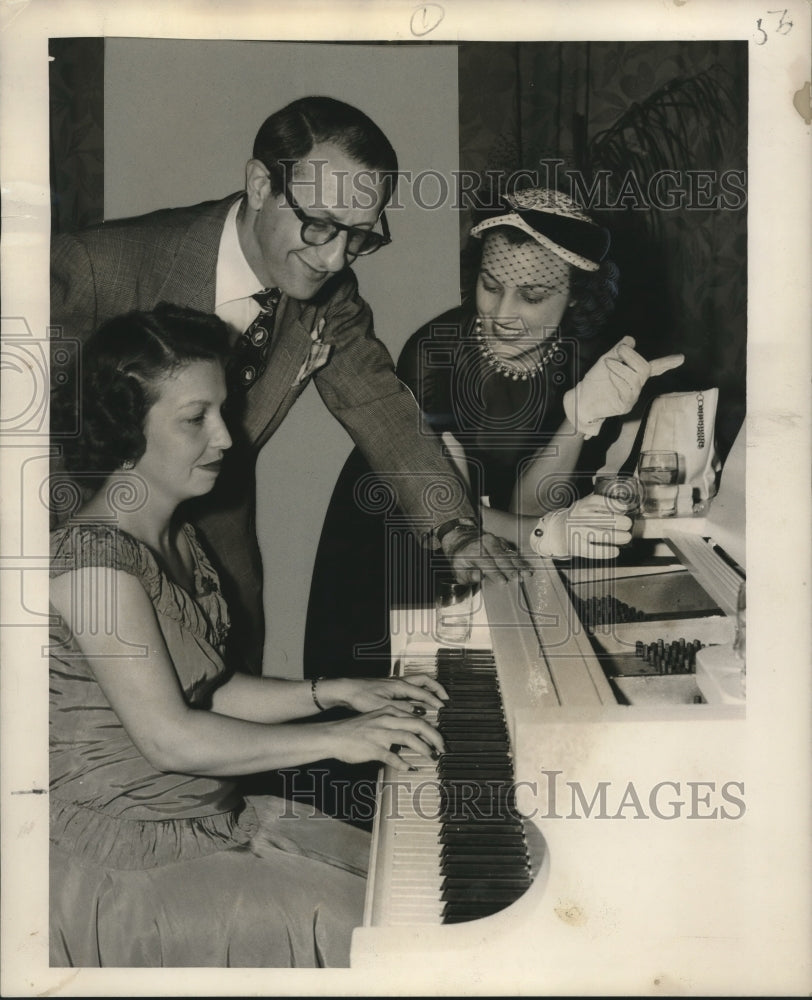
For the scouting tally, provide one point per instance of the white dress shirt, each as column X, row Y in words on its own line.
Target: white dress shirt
column 235, row 281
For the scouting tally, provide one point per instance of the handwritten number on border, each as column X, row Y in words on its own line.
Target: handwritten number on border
column 782, row 28
column 426, row 18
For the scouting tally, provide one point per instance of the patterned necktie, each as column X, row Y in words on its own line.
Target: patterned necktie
column 251, row 350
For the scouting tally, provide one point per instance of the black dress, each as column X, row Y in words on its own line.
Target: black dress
column 367, row 560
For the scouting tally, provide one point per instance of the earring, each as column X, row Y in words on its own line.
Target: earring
column 128, row 464
column 573, row 303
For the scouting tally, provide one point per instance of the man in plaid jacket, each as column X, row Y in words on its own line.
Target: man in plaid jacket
column 297, row 229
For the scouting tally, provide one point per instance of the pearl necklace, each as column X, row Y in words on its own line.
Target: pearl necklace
column 518, row 371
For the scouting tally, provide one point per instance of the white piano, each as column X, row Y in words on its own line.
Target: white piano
column 624, row 705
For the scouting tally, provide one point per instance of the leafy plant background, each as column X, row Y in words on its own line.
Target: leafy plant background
column 683, row 271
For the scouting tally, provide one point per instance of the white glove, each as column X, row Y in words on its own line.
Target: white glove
column 612, row 386
column 592, row 528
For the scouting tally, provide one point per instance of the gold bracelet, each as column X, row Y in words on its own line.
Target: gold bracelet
column 316, row 701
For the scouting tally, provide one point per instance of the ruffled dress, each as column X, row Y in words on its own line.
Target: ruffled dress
column 149, row 868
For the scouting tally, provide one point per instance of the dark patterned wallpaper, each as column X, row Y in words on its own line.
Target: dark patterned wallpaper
column 76, row 132
column 683, row 268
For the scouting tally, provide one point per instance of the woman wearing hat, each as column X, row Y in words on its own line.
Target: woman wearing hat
column 525, row 386
column 515, row 381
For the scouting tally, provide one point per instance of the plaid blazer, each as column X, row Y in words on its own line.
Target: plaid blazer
column 171, row 256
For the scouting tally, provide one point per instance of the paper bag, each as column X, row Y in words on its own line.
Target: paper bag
column 684, row 422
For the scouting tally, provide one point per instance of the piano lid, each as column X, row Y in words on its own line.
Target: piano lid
column 726, row 518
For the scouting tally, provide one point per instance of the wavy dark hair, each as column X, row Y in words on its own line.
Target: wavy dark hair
column 594, row 292
column 122, row 366
column 289, row 135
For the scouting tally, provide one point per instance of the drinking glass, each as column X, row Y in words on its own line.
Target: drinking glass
column 454, row 612
column 622, row 490
column 658, row 472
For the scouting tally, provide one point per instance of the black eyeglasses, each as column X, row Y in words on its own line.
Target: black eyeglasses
column 317, row 232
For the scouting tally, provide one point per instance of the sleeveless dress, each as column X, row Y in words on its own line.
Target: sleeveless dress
column 149, row 868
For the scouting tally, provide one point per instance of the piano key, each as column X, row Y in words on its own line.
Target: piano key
column 458, row 845
column 484, row 893
column 460, row 746
column 505, row 842
column 460, row 913
column 472, row 824
column 488, row 756
column 450, row 853
column 460, row 873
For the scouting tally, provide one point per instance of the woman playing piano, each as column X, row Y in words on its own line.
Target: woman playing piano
column 156, row 860
column 500, row 379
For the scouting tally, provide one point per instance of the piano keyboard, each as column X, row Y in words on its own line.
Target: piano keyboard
column 449, row 845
